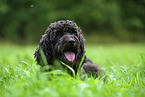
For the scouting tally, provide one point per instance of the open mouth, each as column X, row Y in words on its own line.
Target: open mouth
column 70, row 53
column 70, row 56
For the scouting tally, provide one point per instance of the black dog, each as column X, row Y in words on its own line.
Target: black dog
column 63, row 41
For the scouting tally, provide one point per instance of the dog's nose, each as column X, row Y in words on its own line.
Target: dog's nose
column 71, row 41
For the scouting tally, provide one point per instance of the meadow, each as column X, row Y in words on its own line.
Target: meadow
column 124, row 65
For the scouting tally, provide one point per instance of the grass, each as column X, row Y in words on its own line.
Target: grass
column 124, row 65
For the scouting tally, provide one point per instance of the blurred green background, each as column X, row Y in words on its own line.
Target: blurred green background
column 102, row 21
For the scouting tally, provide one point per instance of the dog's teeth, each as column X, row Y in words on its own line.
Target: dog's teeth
column 70, row 56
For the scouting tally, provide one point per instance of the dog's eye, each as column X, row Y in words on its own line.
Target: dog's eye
column 58, row 34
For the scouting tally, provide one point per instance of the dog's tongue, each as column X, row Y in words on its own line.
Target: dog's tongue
column 70, row 56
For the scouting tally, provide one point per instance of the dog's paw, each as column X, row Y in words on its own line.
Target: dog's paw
column 89, row 69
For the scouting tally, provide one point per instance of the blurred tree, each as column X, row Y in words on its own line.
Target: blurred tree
column 26, row 20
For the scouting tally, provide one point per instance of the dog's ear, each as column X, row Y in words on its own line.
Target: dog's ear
column 44, row 51
column 37, row 55
column 46, row 45
column 82, row 40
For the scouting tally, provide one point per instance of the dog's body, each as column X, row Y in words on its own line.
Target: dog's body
column 63, row 41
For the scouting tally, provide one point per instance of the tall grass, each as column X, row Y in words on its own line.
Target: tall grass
column 124, row 65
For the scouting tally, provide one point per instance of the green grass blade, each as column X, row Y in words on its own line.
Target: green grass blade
column 79, row 71
column 73, row 72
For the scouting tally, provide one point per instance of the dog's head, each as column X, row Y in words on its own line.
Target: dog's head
column 63, row 41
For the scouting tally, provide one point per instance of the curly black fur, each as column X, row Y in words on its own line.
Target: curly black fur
column 63, row 41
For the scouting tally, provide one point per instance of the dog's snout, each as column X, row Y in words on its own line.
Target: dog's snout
column 71, row 41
